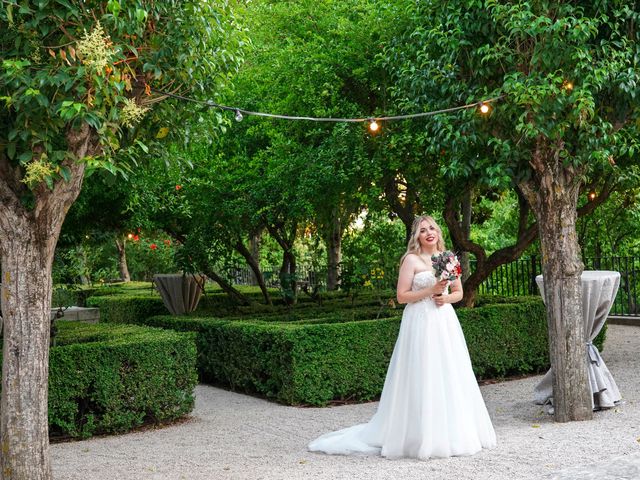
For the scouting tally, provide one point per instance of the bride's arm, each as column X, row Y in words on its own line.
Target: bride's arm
column 454, row 296
column 405, row 279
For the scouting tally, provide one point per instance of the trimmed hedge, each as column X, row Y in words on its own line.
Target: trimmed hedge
column 294, row 364
column 314, row 363
column 110, row 379
column 313, row 354
column 127, row 308
column 130, row 308
column 506, row 339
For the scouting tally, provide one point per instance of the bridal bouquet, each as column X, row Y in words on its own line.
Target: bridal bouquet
column 446, row 266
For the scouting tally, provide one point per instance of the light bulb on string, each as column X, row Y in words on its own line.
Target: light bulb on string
column 484, row 108
column 592, row 196
column 239, row 116
column 568, row 85
column 373, row 125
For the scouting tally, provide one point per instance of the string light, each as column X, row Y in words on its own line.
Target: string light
column 592, row 196
column 568, row 85
column 373, row 125
column 240, row 113
column 484, row 108
column 130, row 236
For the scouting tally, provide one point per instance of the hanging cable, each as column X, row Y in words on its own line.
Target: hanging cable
column 240, row 112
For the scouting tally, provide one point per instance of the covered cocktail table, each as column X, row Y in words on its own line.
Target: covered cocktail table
column 180, row 293
column 599, row 290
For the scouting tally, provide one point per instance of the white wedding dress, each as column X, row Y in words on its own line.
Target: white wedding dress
column 431, row 405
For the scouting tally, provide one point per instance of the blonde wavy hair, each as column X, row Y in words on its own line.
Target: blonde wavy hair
column 414, row 242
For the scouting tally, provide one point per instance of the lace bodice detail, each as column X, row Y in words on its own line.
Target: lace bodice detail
column 423, row 280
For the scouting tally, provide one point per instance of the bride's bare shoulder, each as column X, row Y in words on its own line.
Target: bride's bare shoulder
column 411, row 259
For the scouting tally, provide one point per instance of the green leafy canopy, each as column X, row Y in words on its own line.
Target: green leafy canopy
column 70, row 63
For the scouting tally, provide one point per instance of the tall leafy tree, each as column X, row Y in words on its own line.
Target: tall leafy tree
column 321, row 65
column 105, row 193
column 567, row 76
column 76, row 79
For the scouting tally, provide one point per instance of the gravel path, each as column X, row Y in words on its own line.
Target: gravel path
column 234, row 436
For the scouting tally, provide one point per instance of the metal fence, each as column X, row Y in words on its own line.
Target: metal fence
column 242, row 275
column 519, row 278
column 511, row 279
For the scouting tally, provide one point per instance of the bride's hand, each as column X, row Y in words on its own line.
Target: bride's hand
column 441, row 300
column 439, row 287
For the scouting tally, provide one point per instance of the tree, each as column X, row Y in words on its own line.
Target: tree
column 320, row 64
column 195, row 203
column 567, row 77
column 76, row 79
column 105, row 193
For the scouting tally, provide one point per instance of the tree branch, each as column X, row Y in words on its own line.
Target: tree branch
column 405, row 212
column 607, row 189
column 524, row 212
column 273, row 231
column 457, row 235
column 51, row 205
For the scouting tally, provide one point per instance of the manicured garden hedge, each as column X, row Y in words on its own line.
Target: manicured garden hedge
column 295, row 364
column 130, row 308
column 314, row 362
column 110, row 379
column 127, row 308
column 312, row 354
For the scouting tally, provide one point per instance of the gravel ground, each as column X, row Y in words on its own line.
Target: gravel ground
column 234, row 436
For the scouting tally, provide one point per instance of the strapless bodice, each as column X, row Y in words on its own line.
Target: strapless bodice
column 423, row 280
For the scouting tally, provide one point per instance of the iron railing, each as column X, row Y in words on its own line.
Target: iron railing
column 519, row 278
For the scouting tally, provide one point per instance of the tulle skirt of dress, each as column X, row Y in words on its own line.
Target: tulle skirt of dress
column 431, row 405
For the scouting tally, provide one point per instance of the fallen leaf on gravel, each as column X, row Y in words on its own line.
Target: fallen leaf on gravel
column 535, row 425
column 638, row 440
column 302, row 462
column 227, row 468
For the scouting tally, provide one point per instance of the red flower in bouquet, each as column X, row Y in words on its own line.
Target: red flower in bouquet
column 446, row 266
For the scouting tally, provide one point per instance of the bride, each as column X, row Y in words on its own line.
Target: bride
column 431, row 405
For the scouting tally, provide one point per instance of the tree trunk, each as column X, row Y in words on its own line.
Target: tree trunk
column 552, row 193
column 527, row 233
column 255, row 241
column 226, row 287
column 26, row 309
column 465, row 227
column 255, row 270
column 288, row 282
column 28, row 238
column 288, row 276
column 563, row 294
column 122, row 260
column 405, row 209
column 334, row 252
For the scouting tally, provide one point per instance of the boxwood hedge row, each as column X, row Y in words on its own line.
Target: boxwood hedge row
column 110, row 379
column 129, row 308
column 314, row 361
column 314, row 354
